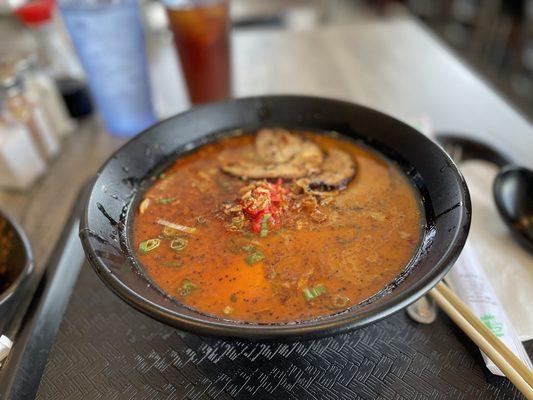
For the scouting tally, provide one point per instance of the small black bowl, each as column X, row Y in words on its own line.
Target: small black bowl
column 105, row 228
column 513, row 194
column 19, row 263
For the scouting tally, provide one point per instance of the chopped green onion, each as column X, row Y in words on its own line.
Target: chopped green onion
column 307, row 294
column 264, row 225
column 201, row 220
column 187, row 287
column 248, row 234
column 340, row 301
column 170, row 232
column 179, row 244
column 173, row 264
column 233, row 298
column 248, row 248
column 314, row 292
column 254, row 257
column 149, row 245
column 177, row 227
column 166, row 200
column 227, row 310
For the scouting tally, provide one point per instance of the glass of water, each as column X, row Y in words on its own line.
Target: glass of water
column 109, row 40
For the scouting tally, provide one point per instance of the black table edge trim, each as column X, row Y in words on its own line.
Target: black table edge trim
column 21, row 374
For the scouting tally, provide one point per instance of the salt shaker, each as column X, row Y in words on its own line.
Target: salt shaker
column 20, row 162
column 29, row 113
column 41, row 90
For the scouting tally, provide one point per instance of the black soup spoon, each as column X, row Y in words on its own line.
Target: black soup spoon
column 513, row 194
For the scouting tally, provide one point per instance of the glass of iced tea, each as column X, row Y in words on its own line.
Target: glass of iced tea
column 201, row 34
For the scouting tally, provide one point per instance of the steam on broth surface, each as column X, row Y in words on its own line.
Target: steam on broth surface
column 279, row 226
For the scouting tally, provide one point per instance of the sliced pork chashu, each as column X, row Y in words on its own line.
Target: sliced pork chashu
column 336, row 172
column 279, row 146
column 287, row 156
column 281, row 155
column 252, row 170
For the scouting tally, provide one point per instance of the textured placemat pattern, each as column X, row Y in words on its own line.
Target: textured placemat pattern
column 107, row 350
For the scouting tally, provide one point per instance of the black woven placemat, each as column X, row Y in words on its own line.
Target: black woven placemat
column 107, row 350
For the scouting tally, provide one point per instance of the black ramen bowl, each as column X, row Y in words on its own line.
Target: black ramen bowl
column 107, row 223
column 18, row 262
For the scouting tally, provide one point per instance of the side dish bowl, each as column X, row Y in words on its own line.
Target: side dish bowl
column 106, row 226
column 18, row 260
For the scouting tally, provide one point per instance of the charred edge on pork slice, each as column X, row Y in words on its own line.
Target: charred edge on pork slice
column 337, row 172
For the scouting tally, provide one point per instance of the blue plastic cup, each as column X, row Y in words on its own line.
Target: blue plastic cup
column 109, row 40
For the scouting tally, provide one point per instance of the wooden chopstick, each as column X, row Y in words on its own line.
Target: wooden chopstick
column 489, row 335
column 517, row 372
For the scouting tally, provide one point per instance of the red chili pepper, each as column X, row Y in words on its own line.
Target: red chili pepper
column 272, row 206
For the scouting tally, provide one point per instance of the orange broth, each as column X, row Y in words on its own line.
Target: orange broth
column 372, row 230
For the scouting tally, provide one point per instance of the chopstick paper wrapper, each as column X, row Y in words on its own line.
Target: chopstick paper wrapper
column 470, row 283
column 5, row 347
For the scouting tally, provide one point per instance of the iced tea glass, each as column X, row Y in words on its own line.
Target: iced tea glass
column 201, row 31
